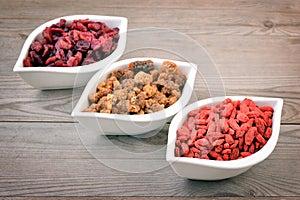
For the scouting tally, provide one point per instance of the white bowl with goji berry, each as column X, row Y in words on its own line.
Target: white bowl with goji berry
column 66, row 52
column 221, row 137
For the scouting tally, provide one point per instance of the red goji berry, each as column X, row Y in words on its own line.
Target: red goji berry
column 245, row 154
column 191, row 123
column 226, row 146
column 234, row 145
column 219, row 148
column 194, row 149
column 226, row 151
column 203, row 142
column 231, row 132
column 185, row 148
column 224, row 125
column 182, row 138
column 214, row 154
column 243, row 130
column 242, row 117
column 268, row 133
column 219, row 158
column 251, row 148
column 232, row 123
column 260, row 139
column 177, row 152
column 229, row 139
column 193, row 113
column 225, row 156
column 183, row 131
column 228, row 110
column 250, row 134
column 191, row 142
column 234, row 154
column 266, row 108
column 241, row 143
column 244, row 108
column 260, row 124
column 193, row 135
column 218, row 142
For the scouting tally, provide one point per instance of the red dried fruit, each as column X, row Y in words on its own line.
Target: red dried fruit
column 193, row 113
column 27, row 62
column 232, row 123
column 260, row 139
column 226, row 151
column 94, row 39
column 268, row 133
column 260, row 124
column 191, row 123
column 177, row 152
column 218, row 142
column 243, row 129
column 203, row 142
column 234, row 145
column 214, row 154
column 250, row 134
column 183, row 131
column 267, row 108
column 219, row 148
column 245, row 154
column 185, row 148
column 228, row 110
column 226, row 146
column 229, row 139
column 242, row 117
column 234, row 154
column 47, row 34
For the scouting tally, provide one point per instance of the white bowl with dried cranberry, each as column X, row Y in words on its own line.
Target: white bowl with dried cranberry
column 132, row 124
column 60, row 75
column 208, row 168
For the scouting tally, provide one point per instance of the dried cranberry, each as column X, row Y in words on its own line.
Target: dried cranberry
column 47, row 34
column 36, row 46
column 82, row 45
column 79, row 42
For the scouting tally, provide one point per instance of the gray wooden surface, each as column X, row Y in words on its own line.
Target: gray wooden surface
column 256, row 48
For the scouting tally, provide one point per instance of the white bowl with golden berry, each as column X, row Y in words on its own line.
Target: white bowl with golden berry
column 135, row 96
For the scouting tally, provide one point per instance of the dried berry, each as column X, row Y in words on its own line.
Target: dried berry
column 136, row 91
column 61, row 41
column 226, row 131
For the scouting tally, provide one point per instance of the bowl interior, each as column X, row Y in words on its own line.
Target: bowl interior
column 111, row 21
column 275, row 103
column 188, row 69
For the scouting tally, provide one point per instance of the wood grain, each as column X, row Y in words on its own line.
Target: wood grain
column 41, row 159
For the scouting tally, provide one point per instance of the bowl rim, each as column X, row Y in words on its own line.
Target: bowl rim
column 77, row 69
column 232, row 164
column 155, row 116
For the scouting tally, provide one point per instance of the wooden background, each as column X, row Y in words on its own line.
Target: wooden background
column 256, row 48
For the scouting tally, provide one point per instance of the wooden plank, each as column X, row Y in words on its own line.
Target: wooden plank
column 48, row 159
column 232, row 18
column 34, row 105
column 252, row 71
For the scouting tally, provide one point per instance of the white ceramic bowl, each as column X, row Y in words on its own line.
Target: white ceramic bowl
column 68, row 77
column 201, row 169
column 122, row 124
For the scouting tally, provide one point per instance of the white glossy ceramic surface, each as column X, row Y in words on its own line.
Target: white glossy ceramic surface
column 121, row 124
column 201, row 169
column 68, row 77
